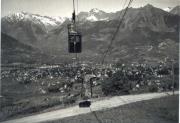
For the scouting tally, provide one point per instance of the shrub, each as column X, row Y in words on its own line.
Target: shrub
column 117, row 84
column 153, row 88
column 69, row 100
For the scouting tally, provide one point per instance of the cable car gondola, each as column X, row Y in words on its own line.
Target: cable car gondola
column 74, row 39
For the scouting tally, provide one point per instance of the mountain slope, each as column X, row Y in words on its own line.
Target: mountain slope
column 176, row 10
column 29, row 28
column 142, row 31
column 140, row 38
column 13, row 51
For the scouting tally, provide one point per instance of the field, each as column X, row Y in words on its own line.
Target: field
column 27, row 91
column 162, row 110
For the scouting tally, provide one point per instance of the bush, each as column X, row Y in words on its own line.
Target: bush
column 53, row 88
column 153, row 88
column 69, row 100
column 117, row 84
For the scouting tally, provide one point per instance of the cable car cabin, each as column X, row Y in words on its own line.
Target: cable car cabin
column 74, row 43
column 74, row 40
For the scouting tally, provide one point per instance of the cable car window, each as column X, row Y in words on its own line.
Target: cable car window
column 75, row 43
column 77, row 38
column 72, row 38
column 71, row 28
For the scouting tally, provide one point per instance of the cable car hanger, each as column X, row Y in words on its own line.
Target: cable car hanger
column 74, row 36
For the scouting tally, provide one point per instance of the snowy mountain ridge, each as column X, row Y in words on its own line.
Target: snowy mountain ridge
column 45, row 20
column 168, row 9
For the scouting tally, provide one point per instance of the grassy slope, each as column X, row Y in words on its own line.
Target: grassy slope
column 163, row 110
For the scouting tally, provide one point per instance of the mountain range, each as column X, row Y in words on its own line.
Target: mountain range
column 147, row 34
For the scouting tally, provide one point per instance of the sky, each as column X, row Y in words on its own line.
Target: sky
column 64, row 7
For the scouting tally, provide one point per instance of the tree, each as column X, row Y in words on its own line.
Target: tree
column 117, row 84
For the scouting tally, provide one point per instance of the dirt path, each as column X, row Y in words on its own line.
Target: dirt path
column 95, row 106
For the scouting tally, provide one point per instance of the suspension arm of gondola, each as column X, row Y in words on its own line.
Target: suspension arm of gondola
column 74, row 13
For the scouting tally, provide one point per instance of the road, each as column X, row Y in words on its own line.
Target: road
column 95, row 106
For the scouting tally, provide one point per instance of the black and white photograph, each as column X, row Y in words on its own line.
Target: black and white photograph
column 89, row 61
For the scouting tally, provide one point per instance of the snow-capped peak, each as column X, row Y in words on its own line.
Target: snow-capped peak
column 95, row 15
column 168, row 9
column 19, row 15
column 59, row 19
column 46, row 20
column 92, row 18
column 95, row 10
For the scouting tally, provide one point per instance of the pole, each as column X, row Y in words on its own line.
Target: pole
column 91, row 82
column 82, row 88
column 173, row 77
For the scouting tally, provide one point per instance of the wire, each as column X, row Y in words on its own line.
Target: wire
column 77, row 59
column 77, row 5
column 119, row 17
column 77, row 9
column 94, row 113
column 117, row 29
column 73, row 6
column 114, row 36
column 115, row 25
